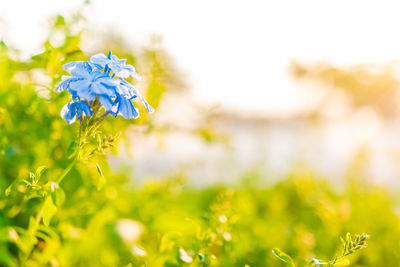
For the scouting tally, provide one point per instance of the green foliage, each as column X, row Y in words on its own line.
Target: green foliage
column 283, row 257
column 350, row 246
column 75, row 211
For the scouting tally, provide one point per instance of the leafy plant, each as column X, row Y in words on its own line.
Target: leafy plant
column 350, row 246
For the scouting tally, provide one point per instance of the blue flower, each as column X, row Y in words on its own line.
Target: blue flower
column 87, row 82
column 75, row 109
column 130, row 92
column 115, row 64
column 94, row 84
column 91, row 80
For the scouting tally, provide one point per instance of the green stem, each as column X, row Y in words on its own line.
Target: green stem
column 72, row 164
column 332, row 263
column 66, row 171
column 39, row 217
column 33, row 232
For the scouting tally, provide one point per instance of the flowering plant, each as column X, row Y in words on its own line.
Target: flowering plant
column 96, row 86
column 100, row 79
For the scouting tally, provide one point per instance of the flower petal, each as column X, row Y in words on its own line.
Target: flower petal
column 68, row 113
column 79, row 68
column 107, row 102
column 135, row 92
column 84, row 106
column 99, row 59
column 126, row 109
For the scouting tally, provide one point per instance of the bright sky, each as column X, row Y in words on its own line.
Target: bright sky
column 234, row 52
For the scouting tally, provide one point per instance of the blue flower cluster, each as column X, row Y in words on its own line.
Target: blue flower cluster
column 100, row 77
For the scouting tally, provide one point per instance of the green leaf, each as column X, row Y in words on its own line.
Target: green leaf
column 9, row 189
column 17, row 186
column 60, row 21
column 283, row 257
column 57, row 194
column 40, row 171
column 100, row 181
column 48, row 211
column 99, row 141
column 99, row 170
column 34, row 194
column 202, row 257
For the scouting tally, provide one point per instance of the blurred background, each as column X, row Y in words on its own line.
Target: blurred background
column 281, row 117
column 311, row 85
